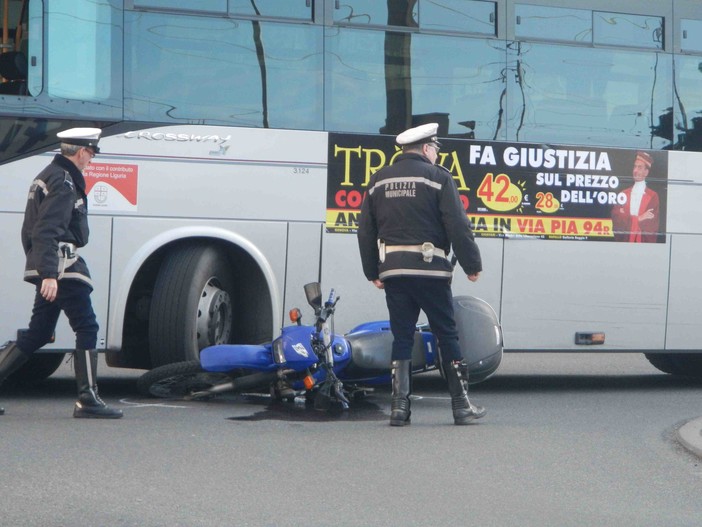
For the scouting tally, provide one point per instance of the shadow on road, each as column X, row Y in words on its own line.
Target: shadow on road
column 301, row 410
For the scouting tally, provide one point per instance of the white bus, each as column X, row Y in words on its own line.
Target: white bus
column 238, row 138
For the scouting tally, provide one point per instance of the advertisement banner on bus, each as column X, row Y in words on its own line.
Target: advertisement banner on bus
column 540, row 191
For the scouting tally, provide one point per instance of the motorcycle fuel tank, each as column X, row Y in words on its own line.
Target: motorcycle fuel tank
column 227, row 357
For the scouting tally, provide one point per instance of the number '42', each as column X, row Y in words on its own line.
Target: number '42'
column 499, row 193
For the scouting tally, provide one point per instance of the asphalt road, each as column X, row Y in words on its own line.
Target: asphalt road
column 569, row 440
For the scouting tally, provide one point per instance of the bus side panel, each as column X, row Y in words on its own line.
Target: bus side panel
column 97, row 254
column 275, row 175
column 15, row 181
column 16, row 294
column 684, row 192
column 684, row 219
column 489, row 285
column 685, row 304
column 304, row 254
column 226, row 190
column 553, row 289
column 362, row 302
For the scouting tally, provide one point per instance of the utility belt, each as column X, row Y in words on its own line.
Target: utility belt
column 426, row 249
column 67, row 253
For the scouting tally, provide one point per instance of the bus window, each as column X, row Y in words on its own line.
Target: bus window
column 618, row 29
column 79, row 44
column 35, row 77
column 383, row 80
column 573, row 94
column 218, row 70
column 688, row 100
column 553, row 23
column 66, row 55
column 13, row 48
column 300, row 9
column 209, row 6
column 460, row 16
column 374, row 13
column 13, row 70
column 691, row 35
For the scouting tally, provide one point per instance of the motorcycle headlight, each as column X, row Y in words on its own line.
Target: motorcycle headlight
column 278, row 353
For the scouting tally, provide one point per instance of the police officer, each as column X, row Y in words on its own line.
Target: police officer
column 55, row 227
column 411, row 217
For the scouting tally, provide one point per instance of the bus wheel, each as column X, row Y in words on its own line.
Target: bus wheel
column 39, row 367
column 192, row 304
column 683, row 364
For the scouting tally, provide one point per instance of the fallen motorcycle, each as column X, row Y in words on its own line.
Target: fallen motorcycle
column 325, row 367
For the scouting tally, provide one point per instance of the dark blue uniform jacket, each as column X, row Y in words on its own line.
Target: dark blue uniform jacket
column 409, row 203
column 56, row 212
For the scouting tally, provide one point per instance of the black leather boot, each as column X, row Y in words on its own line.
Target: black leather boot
column 457, row 376
column 11, row 358
column 401, row 390
column 89, row 403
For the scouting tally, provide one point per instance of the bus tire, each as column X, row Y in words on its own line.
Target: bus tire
column 682, row 364
column 192, row 304
column 40, row 366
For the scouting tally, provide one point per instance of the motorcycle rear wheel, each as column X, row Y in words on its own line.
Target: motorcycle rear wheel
column 178, row 380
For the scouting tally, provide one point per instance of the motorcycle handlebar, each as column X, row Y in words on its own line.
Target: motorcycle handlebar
column 328, row 309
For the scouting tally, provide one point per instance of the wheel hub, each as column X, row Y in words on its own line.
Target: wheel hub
column 214, row 316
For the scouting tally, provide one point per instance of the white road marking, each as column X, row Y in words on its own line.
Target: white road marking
column 147, row 405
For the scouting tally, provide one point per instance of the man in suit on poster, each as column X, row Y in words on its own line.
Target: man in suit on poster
column 638, row 219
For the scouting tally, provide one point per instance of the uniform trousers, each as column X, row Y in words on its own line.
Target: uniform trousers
column 73, row 298
column 405, row 296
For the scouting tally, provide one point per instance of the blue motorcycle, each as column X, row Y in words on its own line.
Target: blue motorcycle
column 325, row 367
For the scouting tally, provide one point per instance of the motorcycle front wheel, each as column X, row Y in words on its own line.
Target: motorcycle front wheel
column 178, row 380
